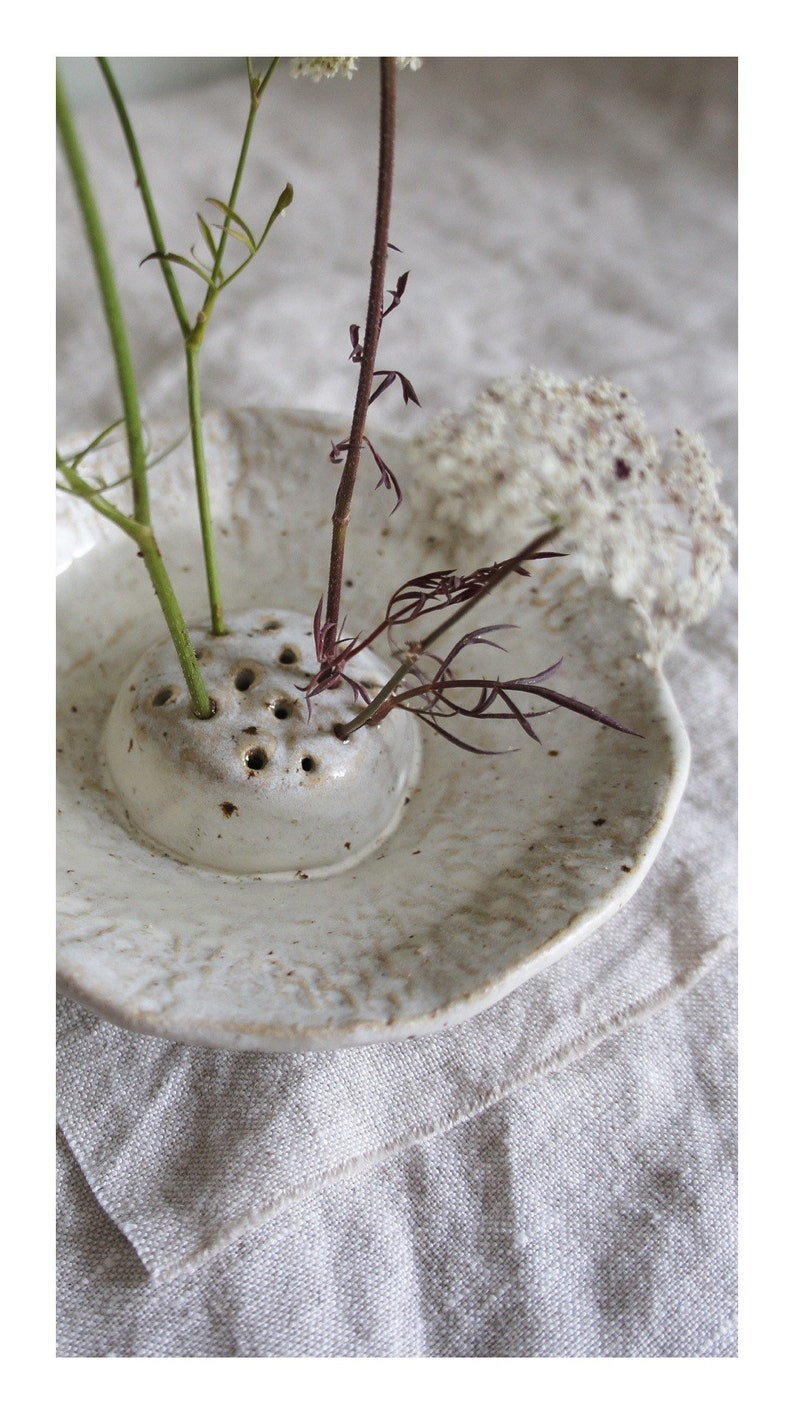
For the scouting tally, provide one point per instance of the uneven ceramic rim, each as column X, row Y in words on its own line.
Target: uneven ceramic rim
column 228, row 1031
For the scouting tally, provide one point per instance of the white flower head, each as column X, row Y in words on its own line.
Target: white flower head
column 535, row 450
column 323, row 68
column 327, row 68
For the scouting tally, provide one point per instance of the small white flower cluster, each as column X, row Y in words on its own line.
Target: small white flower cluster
column 536, row 450
column 326, row 68
column 322, row 68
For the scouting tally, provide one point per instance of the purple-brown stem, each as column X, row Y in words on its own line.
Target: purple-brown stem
column 380, row 250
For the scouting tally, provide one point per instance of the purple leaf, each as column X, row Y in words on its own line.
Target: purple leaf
column 397, row 294
column 355, row 339
column 388, row 379
column 456, row 740
column 387, row 477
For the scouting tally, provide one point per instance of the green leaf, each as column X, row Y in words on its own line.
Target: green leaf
column 284, row 200
column 208, row 237
column 199, row 261
column 238, row 235
column 93, row 445
column 180, row 260
column 232, row 216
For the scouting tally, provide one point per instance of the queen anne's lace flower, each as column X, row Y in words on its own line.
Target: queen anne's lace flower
column 323, row 68
column 529, row 451
column 326, row 68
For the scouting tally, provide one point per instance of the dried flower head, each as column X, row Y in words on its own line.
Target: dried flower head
column 536, row 450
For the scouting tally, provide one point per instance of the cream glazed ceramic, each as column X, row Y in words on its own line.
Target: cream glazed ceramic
column 265, row 785
column 495, row 865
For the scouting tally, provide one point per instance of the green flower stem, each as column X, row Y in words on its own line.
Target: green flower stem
column 257, row 89
column 202, row 705
column 192, row 350
column 143, row 536
column 77, row 486
column 193, row 333
column 146, row 195
column 111, row 303
column 202, row 487
column 138, row 526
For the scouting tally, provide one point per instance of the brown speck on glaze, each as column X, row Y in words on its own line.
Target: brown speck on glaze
column 229, row 809
column 599, row 822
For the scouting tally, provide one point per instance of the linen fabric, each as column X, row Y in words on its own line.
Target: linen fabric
column 556, row 1176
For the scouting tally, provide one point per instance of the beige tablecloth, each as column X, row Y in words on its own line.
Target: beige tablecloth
column 555, row 1177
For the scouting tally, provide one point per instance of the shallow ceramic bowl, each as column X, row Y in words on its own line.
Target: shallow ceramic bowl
column 500, row 864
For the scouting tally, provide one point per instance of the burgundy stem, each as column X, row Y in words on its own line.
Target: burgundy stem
column 380, row 250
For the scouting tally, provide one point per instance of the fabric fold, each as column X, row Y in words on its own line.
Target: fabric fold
column 188, row 1149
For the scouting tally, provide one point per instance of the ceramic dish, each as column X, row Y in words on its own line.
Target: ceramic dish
column 500, row 863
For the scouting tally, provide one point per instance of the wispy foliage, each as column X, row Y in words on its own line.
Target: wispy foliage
column 233, row 225
column 426, row 683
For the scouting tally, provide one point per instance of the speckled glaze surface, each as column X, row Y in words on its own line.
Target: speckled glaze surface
column 265, row 785
column 499, row 865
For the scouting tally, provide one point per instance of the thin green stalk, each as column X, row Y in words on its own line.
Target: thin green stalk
column 256, row 95
column 192, row 350
column 143, row 536
column 139, row 525
column 111, row 303
column 202, row 705
column 202, row 487
column 142, row 182
column 193, row 333
column 95, row 498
